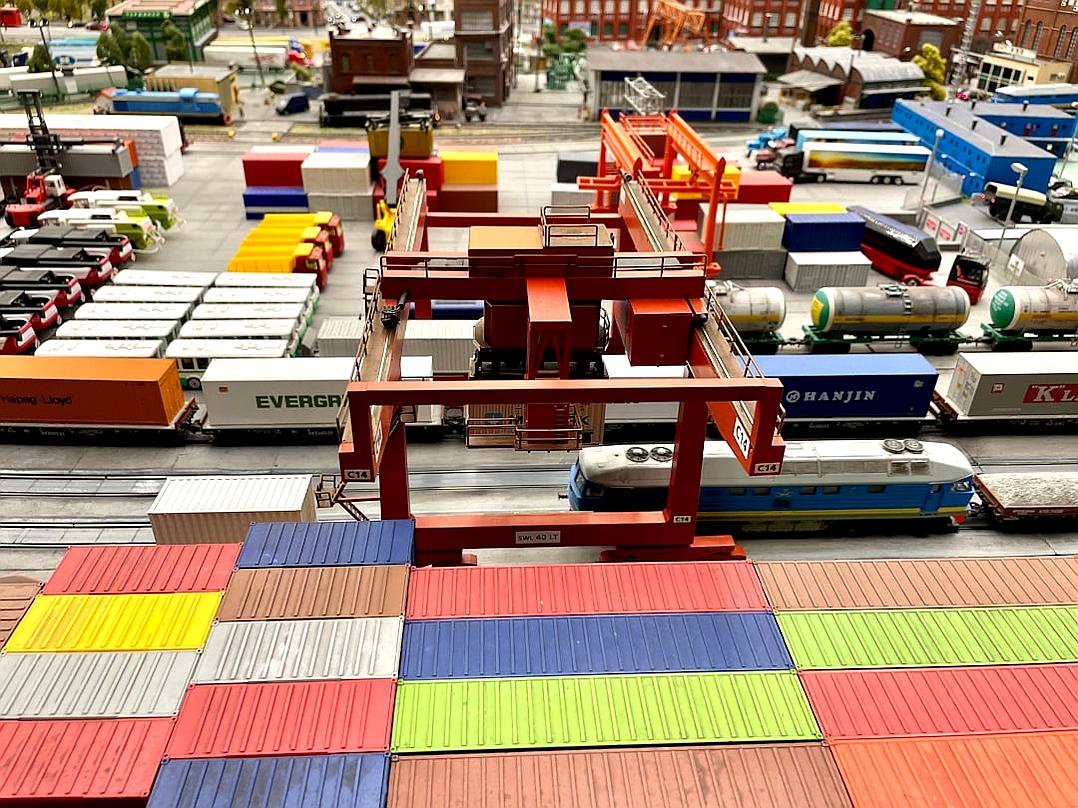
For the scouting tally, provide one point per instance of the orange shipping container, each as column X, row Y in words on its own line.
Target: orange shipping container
column 81, row 390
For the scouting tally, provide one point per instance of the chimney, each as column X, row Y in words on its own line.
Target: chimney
column 947, row 112
column 973, row 124
column 1025, row 105
column 1002, row 139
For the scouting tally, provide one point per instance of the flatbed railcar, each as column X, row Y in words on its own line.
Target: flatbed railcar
column 1013, row 498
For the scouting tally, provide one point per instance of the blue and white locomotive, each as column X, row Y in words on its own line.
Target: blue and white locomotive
column 822, row 482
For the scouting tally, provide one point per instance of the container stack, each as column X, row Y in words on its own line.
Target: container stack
column 294, row 691
column 275, row 180
column 94, row 672
column 286, row 245
column 751, row 241
column 763, row 188
column 942, row 682
column 339, row 181
column 510, row 661
column 470, row 182
column 432, row 168
column 824, row 250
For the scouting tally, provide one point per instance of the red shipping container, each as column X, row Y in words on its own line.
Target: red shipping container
column 943, row 701
column 133, row 570
column 284, row 718
column 274, row 169
column 655, row 332
column 109, row 762
column 568, row 589
column 432, row 167
column 762, row 187
column 469, row 199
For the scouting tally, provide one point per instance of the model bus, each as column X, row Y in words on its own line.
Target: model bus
column 134, row 311
column 296, row 312
column 193, row 356
column 146, row 277
column 118, row 329
column 114, row 293
column 271, row 330
column 258, row 295
column 130, row 348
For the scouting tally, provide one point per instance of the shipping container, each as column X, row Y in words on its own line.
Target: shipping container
column 852, row 389
column 154, row 277
column 823, row 232
column 786, row 208
column 592, row 644
column 97, row 762
column 62, row 390
column 282, row 650
column 616, row 366
column 328, row 544
column 267, row 280
column 267, row 169
column 859, row 705
column 809, row 271
column 336, row 173
column 566, row 589
column 284, row 718
column 110, row 330
column 1027, row 386
column 193, row 356
column 931, row 637
column 299, row 393
column 747, row 227
column 332, row 781
column 297, row 593
column 143, row 684
column 15, row 599
column 115, row 293
column 944, row 582
column 470, row 168
column 104, row 570
column 802, row 775
column 194, row 510
column 1038, row 770
column 172, row 622
column 451, row 343
column 340, row 336
column 122, row 348
column 575, row 711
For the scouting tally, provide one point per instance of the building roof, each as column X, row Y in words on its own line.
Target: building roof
column 985, row 138
column 808, row 80
column 909, row 17
column 757, row 44
column 652, row 61
column 1020, row 90
column 436, row 75
column 201, row 70
column 154, row 8
column 1008, row 110
column 843, row 57
column 878, row 71
column 438, row 50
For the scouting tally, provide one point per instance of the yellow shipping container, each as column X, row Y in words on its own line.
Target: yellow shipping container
column 782, row 208
column 268, row 258
column 470, row 168
column 116, row 622
column 732, row 173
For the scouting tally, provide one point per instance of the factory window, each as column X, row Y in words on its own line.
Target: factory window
column 1025, row 35
column 1072, row 44
column 346, row 63
column 831, row 489
column 736, row 95
column 623, row 29
column 847, row 14
column 791, row 19
column 757, row 19
column 985, row 23
column 477, row 20
column 1059, row 41
column 696, row 94
column 608, row 29
column 1037, row 36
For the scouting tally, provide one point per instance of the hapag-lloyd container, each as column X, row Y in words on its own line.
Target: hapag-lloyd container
column 195, row 510
column 800, row 775
column 1030, row 385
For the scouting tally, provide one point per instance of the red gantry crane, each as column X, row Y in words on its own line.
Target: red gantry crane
column 675, row 20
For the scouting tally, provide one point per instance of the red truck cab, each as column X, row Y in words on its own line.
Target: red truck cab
column 17, row 336
column 38, row 307
column 67, row 288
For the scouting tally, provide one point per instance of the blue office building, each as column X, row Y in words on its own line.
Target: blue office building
column 980, row 141
column 1060, row 95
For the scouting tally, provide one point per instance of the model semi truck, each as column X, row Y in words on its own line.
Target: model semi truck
column 854, row 162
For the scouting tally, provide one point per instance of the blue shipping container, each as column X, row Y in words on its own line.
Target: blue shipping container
column 823, row 232
column 328, row 544
column 592, row 644
column 356, row 781
column 852, row 387
column 273, row 197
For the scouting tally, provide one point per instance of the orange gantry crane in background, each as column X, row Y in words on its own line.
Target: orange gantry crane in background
column 676, row 20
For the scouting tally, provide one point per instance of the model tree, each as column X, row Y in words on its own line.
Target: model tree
column 108, row 50
column 98, row 8
column 282, row 12
column 140, row 58
column 841, row 36
column 39, row 61
column 176, row 46
column 930, row 60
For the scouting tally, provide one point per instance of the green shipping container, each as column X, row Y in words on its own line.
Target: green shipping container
column 575, row 711
column 931, row 637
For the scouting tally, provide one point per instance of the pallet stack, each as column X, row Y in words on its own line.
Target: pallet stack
column 470, row 182
column 296, row 685
column 274, row 180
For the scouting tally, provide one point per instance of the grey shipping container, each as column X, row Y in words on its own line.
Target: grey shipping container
column 748, row 227
column 191, row 510
column 340, row 336
column 1002, row 385
column 809, row 271
column 285, row 650
column 94, row 685
column 450, row 343
column 763, row 265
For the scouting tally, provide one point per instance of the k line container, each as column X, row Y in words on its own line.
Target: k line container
column 802, row 775
column 195, row 510
column 298, row 593
column 341, row 781
column 565, row 589
column 798, row 585
column 115, row 623
column 808, row 271
column 490, row 714
column 931, row 637
column 1039, row 770
column 15, row 599
column 283, row 718
column 855, row 705
column 78, row 390
column 281, row 650
column 127, row 570
column 592, row 644
column 994, row 385
column 107, row 763
column 328, row 544
column 145, row 684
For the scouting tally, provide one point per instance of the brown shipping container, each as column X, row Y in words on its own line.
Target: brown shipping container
column 15, row 598
column 82, row 390
column 312, row 592
column 747, row 776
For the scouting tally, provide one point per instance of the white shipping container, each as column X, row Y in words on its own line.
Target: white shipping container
column 197, row 510
column 7, row 72
column 133, row 311
column 351, row 207
column 90, row 79
column 130, row 348
column 451, row 343
column 420, row 369
column 268, row 280
column 748, row 227
column 152, row 277
column 809, row 271
column 113, row 293
column 1000, row 385
column 268, row 393
column 337, row 173
column 661, row 412
column 340, row 336
column 567, row 193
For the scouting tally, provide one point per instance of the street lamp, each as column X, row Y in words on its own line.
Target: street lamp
column 1020, row 170
column 248, row 12
column 928, row 168
column 41, row 25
